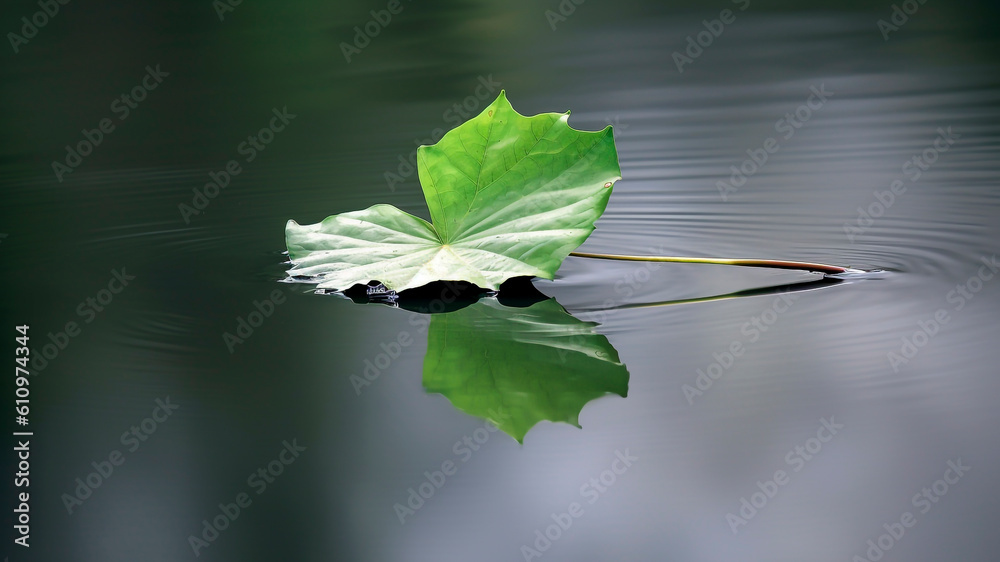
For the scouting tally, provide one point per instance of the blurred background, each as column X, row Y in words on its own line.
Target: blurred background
column 894, row 167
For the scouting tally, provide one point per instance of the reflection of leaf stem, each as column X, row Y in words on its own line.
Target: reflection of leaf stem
column 776, row 264
column 792, row 288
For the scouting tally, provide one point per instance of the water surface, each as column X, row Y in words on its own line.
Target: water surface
column 819, row 357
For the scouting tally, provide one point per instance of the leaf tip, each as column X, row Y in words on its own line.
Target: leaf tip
column 500, row 101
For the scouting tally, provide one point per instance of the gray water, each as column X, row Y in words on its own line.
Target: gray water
column 812, row 356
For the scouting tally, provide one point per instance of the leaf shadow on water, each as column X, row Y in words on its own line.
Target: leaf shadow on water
column 516, row 357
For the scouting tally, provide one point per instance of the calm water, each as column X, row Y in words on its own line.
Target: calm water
column 699, row 480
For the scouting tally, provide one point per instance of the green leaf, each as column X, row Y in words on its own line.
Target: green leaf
column 509, row 196
column 518, row 366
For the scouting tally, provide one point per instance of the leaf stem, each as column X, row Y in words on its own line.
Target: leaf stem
column 774, row 264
